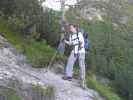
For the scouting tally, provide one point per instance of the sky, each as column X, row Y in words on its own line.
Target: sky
column 55, row 4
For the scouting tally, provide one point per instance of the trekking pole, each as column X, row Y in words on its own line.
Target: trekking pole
column 51, row 61
column 60, row 50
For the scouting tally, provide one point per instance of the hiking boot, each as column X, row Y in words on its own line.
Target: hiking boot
column 83, row 84
column 67, row 78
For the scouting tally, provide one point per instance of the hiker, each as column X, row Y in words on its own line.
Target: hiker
column 76, row 40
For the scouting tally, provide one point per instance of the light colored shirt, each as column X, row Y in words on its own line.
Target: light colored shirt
column 74, row 40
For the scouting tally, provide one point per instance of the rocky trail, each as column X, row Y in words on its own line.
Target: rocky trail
column 13, row 64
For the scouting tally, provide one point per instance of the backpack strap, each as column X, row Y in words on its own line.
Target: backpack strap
column 78, row 40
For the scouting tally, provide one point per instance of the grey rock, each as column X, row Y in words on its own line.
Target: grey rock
column 64, row 90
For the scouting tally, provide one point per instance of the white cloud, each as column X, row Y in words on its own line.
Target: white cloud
column 55, row 4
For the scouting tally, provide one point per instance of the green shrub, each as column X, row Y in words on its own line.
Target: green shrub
column 18, row 24
column 10, row 91
column 38, row 53
column 8, row 94
column 103, row 90
column 47, row 93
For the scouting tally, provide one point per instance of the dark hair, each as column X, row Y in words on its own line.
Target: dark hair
column 73, row 25
column 76, row 27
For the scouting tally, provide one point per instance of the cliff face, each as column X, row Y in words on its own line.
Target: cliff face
column 93, row 10
column 13, row 67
